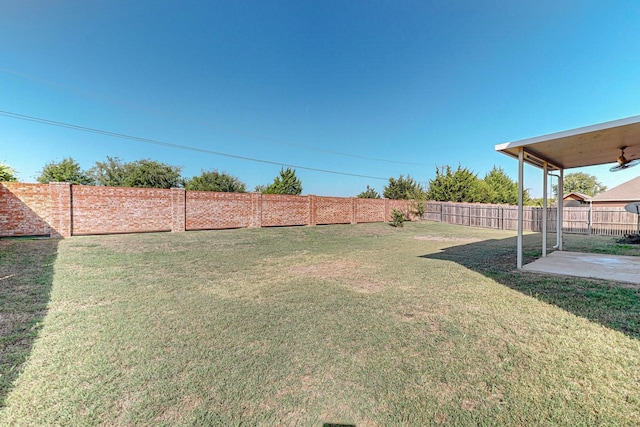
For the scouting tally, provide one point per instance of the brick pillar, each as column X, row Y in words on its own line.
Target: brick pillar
column 256, row 210
column 61, row 206
column 178, row 210
column 353, row 210
column 387, row 211
column 313, row 209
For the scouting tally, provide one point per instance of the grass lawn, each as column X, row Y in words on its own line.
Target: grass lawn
column 357, row 324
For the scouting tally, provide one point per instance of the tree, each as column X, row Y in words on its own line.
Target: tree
column 7, row 173
column 403, row 189
column 68, row 170
column 459, row 186
column 142, row 173
column 285, row 183
column 215, row 181
column 537, row 202
column 580, row 182
column 152, row 174
column 111, row 173
column 503, row 189
column 369, row 193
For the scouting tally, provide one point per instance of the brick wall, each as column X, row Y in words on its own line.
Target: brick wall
column 106, row 210
column 178, row 210
column 63, row 210
column 61, row 220
column 279, row 210
column 334, row 210
column 209, row 210
column 24, row 209
column 371, row 210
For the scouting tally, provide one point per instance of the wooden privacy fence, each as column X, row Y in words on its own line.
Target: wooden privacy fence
column 499, row 217
column 604, row 221
column 609, row 221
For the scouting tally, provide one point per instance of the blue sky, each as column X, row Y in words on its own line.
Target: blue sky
column 374, row 88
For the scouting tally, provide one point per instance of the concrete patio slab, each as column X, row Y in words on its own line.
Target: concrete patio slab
column 609, row 267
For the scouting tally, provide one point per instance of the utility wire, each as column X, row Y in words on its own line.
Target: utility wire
column 204, row 122
column 169, row 144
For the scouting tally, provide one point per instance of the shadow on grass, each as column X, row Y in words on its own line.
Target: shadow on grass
column 26, row 277
column 614, row 305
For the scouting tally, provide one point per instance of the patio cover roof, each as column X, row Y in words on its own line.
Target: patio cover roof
column 586, row 146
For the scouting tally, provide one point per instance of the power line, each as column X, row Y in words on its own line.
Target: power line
column 223, row 128
column 18, row 116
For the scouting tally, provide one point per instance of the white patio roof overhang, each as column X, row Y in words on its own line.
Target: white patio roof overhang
column 586, row 146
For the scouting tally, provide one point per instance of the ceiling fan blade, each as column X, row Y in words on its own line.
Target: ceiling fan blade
column 627, row 165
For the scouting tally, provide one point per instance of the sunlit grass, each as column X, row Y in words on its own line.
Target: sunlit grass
column 367, row 324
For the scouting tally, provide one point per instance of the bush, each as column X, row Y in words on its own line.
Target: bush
column 418, row 208
column 397, row 218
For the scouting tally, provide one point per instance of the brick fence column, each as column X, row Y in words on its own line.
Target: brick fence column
column 61, row 210
column 178, row 210
column 313, row 209
column 353, row 210
column 256, row 210
column 387, row 211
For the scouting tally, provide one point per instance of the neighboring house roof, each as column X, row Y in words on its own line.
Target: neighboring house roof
column 626, row 192
column 574, row 195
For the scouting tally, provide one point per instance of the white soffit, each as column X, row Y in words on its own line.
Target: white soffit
column 585, row 146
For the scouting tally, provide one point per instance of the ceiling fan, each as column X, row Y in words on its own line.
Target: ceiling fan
column 623, row 162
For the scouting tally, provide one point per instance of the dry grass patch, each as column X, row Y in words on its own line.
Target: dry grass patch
column 436, row 238
column 349, row 273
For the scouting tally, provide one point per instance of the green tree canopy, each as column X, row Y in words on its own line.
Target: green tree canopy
column 503, row 189
column 580, row 182
column 110, row 173
column 215, row 181
column 7, row 173
column 538, row 202
column 67, row 170
column 152, row 174
column 403, row 189
column 369, row 193
column 285, row 183
column 141, row 173
column 460, row 186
